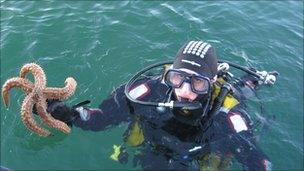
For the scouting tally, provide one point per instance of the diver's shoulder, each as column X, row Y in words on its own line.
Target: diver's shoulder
column 148, row 88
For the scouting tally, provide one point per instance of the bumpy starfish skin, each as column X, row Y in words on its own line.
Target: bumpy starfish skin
column 39, row 76
column 48, row 119
column 61, row 93
column 24, row 84
column 27, row 117
column 37, row 94
column 49, row 92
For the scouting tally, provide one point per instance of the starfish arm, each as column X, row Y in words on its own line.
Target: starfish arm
column 61, row 93
column 28, row 118
column 37, row 71
column 17, row 82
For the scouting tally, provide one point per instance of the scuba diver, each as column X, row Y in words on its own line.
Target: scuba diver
column 191, row 115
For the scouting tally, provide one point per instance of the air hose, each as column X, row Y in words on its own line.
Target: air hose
column 225, row 89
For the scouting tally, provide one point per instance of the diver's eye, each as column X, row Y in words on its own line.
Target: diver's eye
column 174, row 79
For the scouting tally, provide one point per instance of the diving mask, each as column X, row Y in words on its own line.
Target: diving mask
column 199, row 84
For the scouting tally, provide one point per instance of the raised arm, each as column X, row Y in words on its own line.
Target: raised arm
column 111, row 111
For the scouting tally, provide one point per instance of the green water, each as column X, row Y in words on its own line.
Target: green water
column 101, row 44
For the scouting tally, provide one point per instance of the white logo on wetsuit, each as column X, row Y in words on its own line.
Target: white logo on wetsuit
column 139, row 91
column 238, row 123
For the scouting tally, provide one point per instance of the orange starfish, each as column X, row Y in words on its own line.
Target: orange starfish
column 37, row 94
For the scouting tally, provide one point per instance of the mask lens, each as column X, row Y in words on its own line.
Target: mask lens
column 200, row 84
column 174, row 78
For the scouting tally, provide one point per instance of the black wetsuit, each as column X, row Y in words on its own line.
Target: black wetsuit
column 167, row 140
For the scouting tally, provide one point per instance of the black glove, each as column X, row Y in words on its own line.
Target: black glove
column 59, row 110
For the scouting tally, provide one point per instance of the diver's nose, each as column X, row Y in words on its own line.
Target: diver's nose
column 186, row 90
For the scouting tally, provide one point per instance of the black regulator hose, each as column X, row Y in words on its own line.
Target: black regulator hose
column 225, row 89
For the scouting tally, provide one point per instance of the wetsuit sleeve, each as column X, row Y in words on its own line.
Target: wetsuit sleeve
column 111, row 111
column 243, row 143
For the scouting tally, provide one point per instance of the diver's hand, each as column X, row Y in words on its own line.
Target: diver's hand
column 59, row 110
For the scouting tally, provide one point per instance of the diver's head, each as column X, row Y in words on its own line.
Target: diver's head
column 192, row 76
column 197, row 61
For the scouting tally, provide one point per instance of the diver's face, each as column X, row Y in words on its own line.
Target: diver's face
column 184, row 92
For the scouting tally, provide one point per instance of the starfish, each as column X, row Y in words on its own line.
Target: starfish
column 37, row 93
